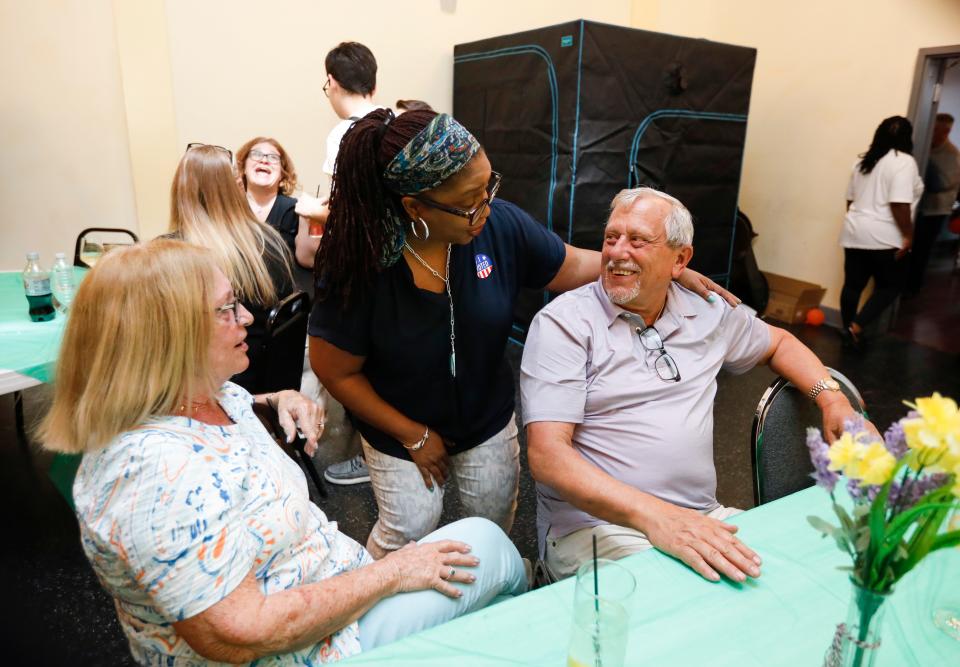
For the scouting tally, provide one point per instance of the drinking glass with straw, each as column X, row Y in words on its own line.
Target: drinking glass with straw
column 602, row 595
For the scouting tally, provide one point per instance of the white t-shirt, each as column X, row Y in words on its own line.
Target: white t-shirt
column 336, row 136
column 869, row 222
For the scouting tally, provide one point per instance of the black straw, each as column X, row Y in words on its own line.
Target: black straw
column 597, row 660
column 596, row 578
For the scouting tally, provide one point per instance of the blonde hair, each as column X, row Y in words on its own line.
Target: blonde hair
column 136, row 343
column 288, row 174
column 207, row 208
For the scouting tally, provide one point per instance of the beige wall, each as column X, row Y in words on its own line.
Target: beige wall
column 65, row 163
column 241, row 69
column 827, row 73
column 87, row 85
column 100, row 97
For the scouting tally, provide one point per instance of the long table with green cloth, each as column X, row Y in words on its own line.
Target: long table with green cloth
column 785, row 617
column 27, row 349
column 28, row 356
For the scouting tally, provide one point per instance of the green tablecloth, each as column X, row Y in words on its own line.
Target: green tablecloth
column 28, row 348
column 31, row 349
column 786, row 617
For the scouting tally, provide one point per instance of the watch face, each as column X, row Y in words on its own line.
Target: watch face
column 832, row 385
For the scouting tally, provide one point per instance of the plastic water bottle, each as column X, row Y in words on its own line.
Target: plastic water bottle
column 63, row 287
column 36, row 285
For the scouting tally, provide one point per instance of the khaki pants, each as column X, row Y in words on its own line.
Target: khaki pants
column 563, row 555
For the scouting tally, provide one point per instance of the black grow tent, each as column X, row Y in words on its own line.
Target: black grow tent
column 573, row 113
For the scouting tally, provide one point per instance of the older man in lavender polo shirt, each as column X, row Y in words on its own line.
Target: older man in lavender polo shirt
column 618, row 380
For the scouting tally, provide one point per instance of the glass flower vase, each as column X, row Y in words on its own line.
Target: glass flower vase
column 857, row 641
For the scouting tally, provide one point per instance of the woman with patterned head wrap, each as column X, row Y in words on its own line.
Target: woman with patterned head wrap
column 420, row 268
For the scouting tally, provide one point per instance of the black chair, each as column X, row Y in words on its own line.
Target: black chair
column 282, row 359
column 778, row 441
column 79, row 246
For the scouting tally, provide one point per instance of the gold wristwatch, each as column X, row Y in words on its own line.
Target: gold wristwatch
column 826, row 384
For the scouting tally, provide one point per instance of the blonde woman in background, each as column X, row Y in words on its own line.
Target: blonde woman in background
column 193, row 519
column 209, row 210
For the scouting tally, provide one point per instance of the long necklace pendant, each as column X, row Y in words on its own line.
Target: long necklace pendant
column 453, row 364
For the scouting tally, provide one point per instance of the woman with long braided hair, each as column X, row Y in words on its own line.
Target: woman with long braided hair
column 419, row 271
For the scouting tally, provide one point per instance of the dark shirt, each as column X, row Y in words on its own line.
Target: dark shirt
column 404, row 332
column 285, row 220
column 254, row 378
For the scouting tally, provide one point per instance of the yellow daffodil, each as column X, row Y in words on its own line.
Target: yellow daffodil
column 875, row 466
column 934, row 435
column 844, row 452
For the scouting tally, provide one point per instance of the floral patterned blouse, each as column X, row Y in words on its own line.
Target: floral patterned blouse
column 175, row 513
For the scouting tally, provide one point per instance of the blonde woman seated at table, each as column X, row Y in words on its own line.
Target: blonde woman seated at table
column 208, row 209
column 194, row 520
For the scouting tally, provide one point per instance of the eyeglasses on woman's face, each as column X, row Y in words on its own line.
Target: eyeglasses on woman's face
column 197, row 144
column 229, row 312
column 258, row 156
column 472, row 215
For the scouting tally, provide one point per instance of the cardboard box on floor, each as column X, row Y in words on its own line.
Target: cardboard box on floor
column 790, row 299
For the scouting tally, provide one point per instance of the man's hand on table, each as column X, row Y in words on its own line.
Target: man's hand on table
column 707, row 545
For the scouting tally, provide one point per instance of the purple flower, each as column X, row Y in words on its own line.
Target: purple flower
column 905, row 495
column 821, row 474
column 895, row 440
column 862, row 493
column 854, row 424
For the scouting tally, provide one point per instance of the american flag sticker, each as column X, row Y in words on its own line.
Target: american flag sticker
column 484, row 266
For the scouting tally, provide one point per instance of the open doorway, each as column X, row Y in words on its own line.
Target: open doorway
column 929, row 312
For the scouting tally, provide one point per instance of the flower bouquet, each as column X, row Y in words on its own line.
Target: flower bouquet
column 904, row 489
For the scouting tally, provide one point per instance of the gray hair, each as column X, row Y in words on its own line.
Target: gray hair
column 678, row 222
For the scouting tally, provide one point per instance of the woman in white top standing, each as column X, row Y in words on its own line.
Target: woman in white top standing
column 882, row 197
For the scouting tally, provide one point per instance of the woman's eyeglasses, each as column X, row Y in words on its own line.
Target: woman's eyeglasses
column 228, row 311
column 197, row 144
column 665, row 365
column 473, row 215
column 270, row 158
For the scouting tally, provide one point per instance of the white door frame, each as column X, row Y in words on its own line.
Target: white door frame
column 925, row 97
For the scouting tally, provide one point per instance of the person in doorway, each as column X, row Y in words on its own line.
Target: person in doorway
column 418, row 279
column 882, row 197
column 941, row 183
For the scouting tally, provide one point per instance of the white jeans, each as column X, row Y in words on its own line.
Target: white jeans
column 487, row 475
column 563, row 555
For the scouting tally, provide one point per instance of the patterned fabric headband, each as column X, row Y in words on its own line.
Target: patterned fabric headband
column 440, row 150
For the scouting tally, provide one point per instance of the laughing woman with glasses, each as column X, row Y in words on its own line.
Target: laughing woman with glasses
column 417, row 280
column 269, row 179
column 209, row 210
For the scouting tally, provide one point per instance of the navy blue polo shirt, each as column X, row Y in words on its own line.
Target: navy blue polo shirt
column 404, row 331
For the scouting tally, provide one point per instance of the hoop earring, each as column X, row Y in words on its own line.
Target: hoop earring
column 426, row 229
